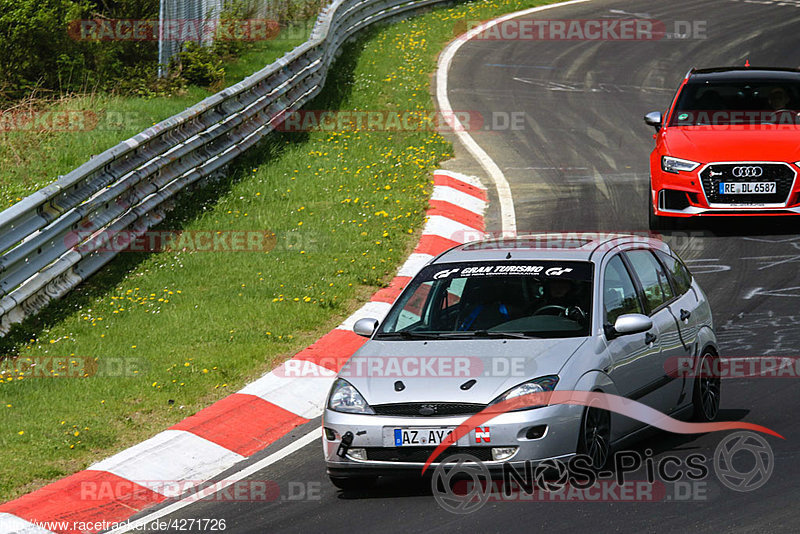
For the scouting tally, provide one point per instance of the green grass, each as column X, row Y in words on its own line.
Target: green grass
column 344, row 207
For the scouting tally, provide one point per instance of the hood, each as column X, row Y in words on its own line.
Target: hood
column 705, row 144
column 433, row 371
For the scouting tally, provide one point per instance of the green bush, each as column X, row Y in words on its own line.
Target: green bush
column 142, row 80
column 36, row 47
column 199, row 65
column 39, row 50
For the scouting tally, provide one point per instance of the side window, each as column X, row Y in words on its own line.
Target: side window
column 680, row 274
column 619, row 294
column 655, row 283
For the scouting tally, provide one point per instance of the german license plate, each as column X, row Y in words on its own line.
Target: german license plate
column 422, row 437
column 746, row 188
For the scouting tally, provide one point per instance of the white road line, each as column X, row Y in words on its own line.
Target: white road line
column 750, row 294
column 140, row 523
column 508, row 217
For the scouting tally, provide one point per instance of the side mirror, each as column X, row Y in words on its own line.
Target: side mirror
column 365, row 327
column 632, row 323
column 653, row 119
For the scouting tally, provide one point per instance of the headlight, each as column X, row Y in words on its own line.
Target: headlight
column 670, row 164
column 538, row 385
column 345, row 398
column 797, row 163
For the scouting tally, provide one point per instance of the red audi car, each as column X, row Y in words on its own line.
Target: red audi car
column 729, row 144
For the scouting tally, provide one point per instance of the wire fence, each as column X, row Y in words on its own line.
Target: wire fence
column 175, row 16
column 182, row 21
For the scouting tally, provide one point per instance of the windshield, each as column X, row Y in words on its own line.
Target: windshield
column 738, row 102
column 493, row 299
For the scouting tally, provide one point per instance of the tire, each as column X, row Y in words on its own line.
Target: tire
column 660, row 223
column 353, row 483
column 706, row 394
column 595, row 436
column 657, row 222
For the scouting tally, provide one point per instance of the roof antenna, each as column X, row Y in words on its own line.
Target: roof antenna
column 746, row 62
column 508, row 256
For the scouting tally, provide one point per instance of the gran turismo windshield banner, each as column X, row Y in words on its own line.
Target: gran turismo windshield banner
column 570, row 270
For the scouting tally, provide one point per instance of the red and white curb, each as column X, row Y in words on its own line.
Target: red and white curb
column 211, row 441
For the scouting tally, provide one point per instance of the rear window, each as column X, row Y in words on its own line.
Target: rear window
column 652, row 276
column 680, row 274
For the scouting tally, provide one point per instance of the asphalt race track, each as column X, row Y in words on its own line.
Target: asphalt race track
column 580, row 163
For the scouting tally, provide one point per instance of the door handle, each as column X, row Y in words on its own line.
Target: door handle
column 685, row 314
column 649, row 338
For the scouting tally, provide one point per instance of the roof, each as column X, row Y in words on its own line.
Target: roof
column 744, row 73
column 573, row 246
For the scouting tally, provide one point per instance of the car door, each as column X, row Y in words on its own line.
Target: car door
column 659, row 299
column 633, row 359
column 686, row 300
column 684, row 309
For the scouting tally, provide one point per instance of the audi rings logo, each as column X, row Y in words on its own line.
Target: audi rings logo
column 744, row 461
column 459, row 467
column 749, row 171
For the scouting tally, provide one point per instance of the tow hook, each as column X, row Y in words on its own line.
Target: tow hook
column 347, row 440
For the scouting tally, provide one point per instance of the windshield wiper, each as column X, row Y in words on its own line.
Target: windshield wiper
column 466, row 334
column 405, row 334
column 490, row 334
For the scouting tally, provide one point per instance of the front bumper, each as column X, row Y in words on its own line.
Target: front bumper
column 374, row 433
column 686, row 194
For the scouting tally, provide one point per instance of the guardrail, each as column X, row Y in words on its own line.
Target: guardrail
column 129, row 187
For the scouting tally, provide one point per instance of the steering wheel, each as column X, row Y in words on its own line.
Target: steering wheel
column 783, row 111
column 562, row 310
column 576, row 314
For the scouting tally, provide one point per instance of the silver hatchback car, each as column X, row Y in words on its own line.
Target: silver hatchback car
column 490, row 320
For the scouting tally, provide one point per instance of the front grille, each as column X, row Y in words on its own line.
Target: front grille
column 780, row 173
column 421, row 454
column 428, row 409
